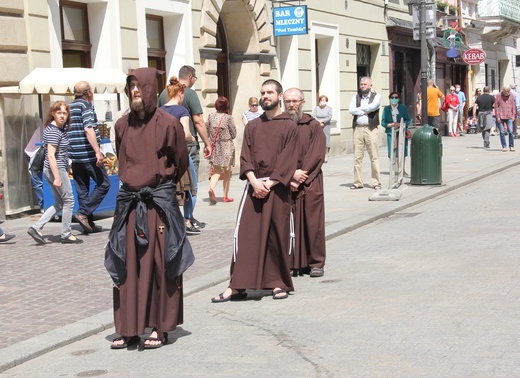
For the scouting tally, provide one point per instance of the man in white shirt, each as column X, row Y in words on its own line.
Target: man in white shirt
column 365, row 109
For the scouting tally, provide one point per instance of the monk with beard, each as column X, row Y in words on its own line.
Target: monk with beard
column 269, row 157
column 307, row 190
column 147, row 251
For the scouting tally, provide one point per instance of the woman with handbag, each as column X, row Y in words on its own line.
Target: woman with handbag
column 221, row 132
column 56, row 172
column 186, row 187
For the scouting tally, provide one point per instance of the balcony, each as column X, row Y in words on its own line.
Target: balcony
column 499, row 18
column 500, row 9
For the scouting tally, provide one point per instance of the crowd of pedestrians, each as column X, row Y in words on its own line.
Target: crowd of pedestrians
column 281, row 216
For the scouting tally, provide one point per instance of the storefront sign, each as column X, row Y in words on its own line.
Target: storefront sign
column 290, row 20
column 474, row 56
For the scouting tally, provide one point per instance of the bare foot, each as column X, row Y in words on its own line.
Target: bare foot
column 150, row 343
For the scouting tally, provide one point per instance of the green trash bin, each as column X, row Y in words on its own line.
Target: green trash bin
column 426, row 151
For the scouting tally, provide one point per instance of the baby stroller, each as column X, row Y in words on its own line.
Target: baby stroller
column 472, row 125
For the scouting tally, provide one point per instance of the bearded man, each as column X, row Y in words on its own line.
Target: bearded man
column 270, row 151
column 147, row 250
column 307, row 190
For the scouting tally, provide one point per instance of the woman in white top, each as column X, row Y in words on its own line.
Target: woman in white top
column 253, row 112
column 323, row 114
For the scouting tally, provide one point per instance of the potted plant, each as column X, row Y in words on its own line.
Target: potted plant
column 441, row 6
column 453, row 9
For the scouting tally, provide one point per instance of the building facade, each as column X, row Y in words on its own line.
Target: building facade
column 232, row 45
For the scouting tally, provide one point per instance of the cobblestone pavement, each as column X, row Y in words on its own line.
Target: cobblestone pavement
column 431, row 291
column 45, row 288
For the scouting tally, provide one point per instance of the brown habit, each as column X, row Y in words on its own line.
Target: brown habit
column 151, row 151
column 309, row 206
column 269, row 149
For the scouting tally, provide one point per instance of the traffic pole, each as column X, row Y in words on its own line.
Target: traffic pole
column 424, row 62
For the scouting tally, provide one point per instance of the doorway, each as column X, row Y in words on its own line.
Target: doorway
column 222, row 61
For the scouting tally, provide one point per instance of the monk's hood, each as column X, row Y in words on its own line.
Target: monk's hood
column 147, row 78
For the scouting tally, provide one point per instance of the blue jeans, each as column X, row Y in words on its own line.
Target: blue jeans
column 89, row 201
column 189, row 204
column 37, row 184
column 63, row 201
column 509, row 123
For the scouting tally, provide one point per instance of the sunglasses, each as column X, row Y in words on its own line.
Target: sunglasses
column 253, row 105
column 394, row 97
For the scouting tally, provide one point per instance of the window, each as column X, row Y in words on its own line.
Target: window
column 75, row 38
column 364, row 59
column 156, row 51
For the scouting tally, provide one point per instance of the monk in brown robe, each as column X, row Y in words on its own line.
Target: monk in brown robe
column 147, row 250
column 307, row 187
column 268, row 160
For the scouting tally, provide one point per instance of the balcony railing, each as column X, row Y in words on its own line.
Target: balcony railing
column 509, row 9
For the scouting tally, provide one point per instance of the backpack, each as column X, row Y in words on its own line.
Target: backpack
column 37, row 160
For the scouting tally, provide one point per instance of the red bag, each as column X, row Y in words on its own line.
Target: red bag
column 445, row 106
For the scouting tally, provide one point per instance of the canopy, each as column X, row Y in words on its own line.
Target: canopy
column 61, row 81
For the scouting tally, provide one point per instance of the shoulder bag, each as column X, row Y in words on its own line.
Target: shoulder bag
column 37, row 160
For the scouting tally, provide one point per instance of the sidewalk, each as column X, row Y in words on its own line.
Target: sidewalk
column 53, row 295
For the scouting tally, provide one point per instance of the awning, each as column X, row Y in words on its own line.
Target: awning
column 61, row 81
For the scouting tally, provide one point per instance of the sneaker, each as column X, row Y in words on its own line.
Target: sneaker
column 192, row 230
column 195, row 223
column 504, row 149
column 486, row 145
column 317, row 272
column 512, row 149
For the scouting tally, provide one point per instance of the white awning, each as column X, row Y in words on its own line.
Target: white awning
column 61, row 81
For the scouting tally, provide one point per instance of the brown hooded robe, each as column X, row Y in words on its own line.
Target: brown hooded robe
column 151, row 151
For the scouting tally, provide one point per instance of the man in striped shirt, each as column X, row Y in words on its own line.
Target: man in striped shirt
column 86, row 156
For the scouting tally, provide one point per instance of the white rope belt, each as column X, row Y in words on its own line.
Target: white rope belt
column 239, row 217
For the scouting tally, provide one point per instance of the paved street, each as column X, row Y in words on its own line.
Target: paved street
column 430, row 291
column 56, row 294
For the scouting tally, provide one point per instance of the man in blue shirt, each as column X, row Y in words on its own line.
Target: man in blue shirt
column 462, row 104
column 86, row 156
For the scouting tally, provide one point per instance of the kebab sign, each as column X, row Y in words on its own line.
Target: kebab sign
column 474, row 56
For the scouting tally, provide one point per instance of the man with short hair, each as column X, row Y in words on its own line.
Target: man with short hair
column 270, row 152
column 147, row 251
column 462, row 105
column 484, row 104
column 307, row 189
column 86, row 156
column 364, row 106
column 433, row 95
column 188, row 77
column 505, row 112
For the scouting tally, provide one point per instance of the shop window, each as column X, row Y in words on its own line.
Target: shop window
column 75, row 34
column 156, row 51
